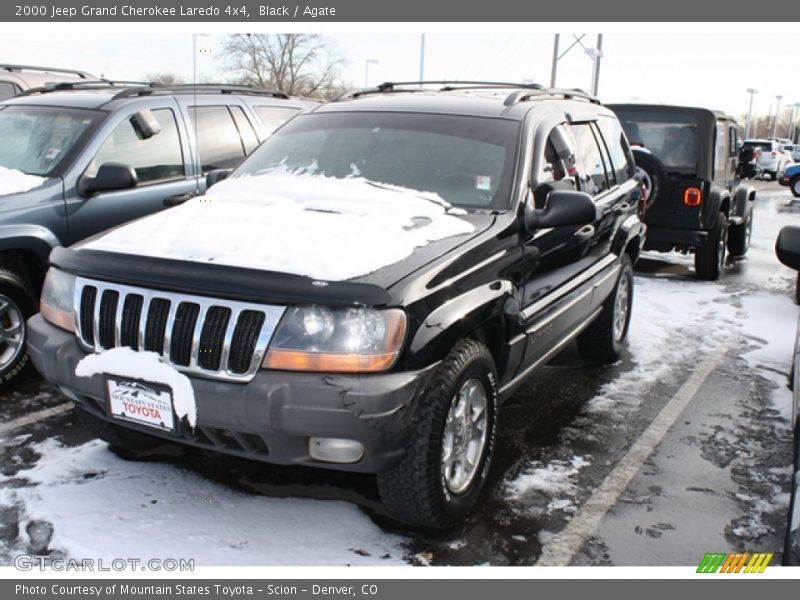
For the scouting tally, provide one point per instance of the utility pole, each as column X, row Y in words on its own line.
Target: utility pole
column 752, row 92
column 793, row 123
column 596, row 54
column 555, row 62
column 422, row 57
column 777, row 115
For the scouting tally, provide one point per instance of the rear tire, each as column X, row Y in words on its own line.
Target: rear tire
column 709, row 261
column 604, row 339
column 426, row 489
column 125, row 443
column 17, row 305
column 739, row 236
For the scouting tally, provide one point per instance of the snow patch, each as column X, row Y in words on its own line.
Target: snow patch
column 16, row 182
column 320, row 227
column 147, row 366
column 557, row 481
column 156, row 510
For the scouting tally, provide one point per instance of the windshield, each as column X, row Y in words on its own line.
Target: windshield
column 671, row 137
column 36, row 139
column 467, row 161
column 759, row 145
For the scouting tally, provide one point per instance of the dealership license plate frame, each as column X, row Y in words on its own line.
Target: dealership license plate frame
column 155, row 395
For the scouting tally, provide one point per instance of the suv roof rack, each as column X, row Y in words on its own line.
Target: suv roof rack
column 11, row 68
column 447, row 86
column 94, row 84
column 188, row 88
column 566, row 93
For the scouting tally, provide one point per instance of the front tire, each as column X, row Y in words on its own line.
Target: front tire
column 794, row 185
column 709, row 261
column 604, row 339
column 739, row 236
column 17, row 305
column 447, row 461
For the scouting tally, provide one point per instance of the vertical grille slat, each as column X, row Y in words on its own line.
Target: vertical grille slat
column 243, row 344
column 107, row 318
column 212, row 338
column 180, row 349
column 131, row 315
column 156, row 325
column 88, row 297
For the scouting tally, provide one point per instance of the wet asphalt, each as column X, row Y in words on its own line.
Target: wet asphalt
column 714, row 483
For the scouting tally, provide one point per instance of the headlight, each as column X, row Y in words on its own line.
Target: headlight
column 56, row 304
column 350, row 340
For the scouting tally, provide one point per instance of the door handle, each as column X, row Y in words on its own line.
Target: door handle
column 177, row 199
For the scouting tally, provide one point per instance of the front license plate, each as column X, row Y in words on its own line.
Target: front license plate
column 141, row 402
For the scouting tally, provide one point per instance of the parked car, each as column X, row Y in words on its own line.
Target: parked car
column 15, row 79
column 793, row 150
column 688, row 162
column 787, row 247
column 791, row 178
column 80, row 158
column 362, row 292
column 772, row 158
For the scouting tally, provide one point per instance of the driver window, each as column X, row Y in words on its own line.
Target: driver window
column 558, row 166
column 154, row 159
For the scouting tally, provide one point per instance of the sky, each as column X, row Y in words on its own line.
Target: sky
column 691, row 68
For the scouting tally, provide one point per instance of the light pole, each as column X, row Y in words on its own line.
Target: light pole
column 777, row 115
column 596, row 54
column 367, row 63
column 793, row 124
column 422, row 57
column 752, row 92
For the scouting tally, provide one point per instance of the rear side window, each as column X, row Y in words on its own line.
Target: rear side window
column 249, row 138
column 617, row 147
column 592, row 171
column 8, row 90
column 218, row 141
column 154, row 159
column 721, row 149
column 274, row 116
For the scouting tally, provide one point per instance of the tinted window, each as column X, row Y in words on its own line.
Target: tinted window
column 218, row 140
column 246, row 130
column 721, row 149
column 592, row 169
column 8, row 90
column 466, row 160
column 672, row 137
column 37, row 139
column 617, row 147
column 274, row 116
column 154, row 159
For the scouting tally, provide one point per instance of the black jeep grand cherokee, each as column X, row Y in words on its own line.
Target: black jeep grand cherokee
column 362, row 292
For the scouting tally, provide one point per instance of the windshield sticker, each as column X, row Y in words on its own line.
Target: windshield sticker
column 52, row 153
column 483, row 182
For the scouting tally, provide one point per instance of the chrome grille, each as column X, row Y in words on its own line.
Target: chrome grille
column 208, row 337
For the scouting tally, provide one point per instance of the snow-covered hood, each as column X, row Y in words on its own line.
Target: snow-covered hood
column 324, row 228
column 17, row 182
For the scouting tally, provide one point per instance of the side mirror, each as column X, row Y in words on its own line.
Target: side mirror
column 145, row 124
column 110, row 177
column 564, row 207
column 787, row 247
column 216, row 176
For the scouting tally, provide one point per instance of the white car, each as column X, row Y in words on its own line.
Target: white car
column 793, row 150
column 770, row 156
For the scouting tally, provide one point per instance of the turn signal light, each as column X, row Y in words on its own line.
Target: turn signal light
column 693, row 196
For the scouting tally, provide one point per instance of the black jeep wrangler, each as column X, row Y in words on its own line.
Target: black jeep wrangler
column 688, row 163
column 362, row 292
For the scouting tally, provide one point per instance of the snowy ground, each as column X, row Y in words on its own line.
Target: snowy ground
column 719, row 478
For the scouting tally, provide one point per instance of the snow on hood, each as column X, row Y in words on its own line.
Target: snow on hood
column 320, row 227
column 16, row 182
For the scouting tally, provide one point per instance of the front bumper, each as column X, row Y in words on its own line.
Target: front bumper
column 271, row 417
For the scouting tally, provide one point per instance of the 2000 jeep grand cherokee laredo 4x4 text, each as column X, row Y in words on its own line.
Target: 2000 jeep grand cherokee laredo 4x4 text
column 316, row 308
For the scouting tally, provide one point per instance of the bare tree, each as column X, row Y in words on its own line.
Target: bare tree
column 305, row 64
column 164, row 78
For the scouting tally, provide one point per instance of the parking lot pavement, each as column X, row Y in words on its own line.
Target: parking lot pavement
column 681, row 448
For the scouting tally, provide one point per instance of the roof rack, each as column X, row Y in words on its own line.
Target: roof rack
column 187, row 88
column 94, row 84
column 447, row 86
column 566, row 93
column 11, row 68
